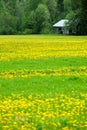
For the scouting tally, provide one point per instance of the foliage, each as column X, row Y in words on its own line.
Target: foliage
column 38, row 16
column 74, row 22
column 83, row 17
column 7, row 23
column 78, row 17
column 52, row 7
column 42, row 18
column 67, row 6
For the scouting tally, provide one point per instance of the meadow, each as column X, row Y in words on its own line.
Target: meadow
column 43, row 82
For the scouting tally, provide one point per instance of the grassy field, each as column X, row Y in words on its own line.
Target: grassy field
column 43, row 82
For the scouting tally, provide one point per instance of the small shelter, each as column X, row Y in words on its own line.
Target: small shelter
column 60, row 27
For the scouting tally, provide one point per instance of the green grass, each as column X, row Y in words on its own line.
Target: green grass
column 37, row 85
column 56, row 99
column 44, row 85
column 49, row 63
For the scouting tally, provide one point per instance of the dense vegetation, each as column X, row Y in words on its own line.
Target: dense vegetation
column 38, row 16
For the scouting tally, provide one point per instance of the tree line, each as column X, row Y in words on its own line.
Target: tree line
column 38, row 16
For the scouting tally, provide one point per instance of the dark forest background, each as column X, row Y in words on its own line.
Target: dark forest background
column 38, row 16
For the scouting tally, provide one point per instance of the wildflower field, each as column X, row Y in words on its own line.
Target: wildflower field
column 43, row 82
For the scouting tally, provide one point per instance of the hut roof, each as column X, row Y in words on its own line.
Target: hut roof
column 61, row 23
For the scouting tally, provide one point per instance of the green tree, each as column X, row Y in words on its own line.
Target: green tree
column 60, row 9
column 38, row 16
column 52, row 6
column 67, row 6
column 74, row 22
column 7, row 23
column 78, row 17
column 75, row 4
column 21, row 16
column 42, row 18
column 12, row 14
column 83, row 17
column 31, row 23
column 60, row 5
column 34, row 4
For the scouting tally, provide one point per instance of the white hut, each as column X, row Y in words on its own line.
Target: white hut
column 60, row 27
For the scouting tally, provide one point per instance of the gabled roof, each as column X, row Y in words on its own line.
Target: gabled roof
column 61, row 23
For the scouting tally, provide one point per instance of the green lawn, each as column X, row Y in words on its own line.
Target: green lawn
column 35, row 85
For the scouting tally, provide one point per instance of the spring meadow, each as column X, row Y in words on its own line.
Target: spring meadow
column 43, row 64
column 43, row 82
